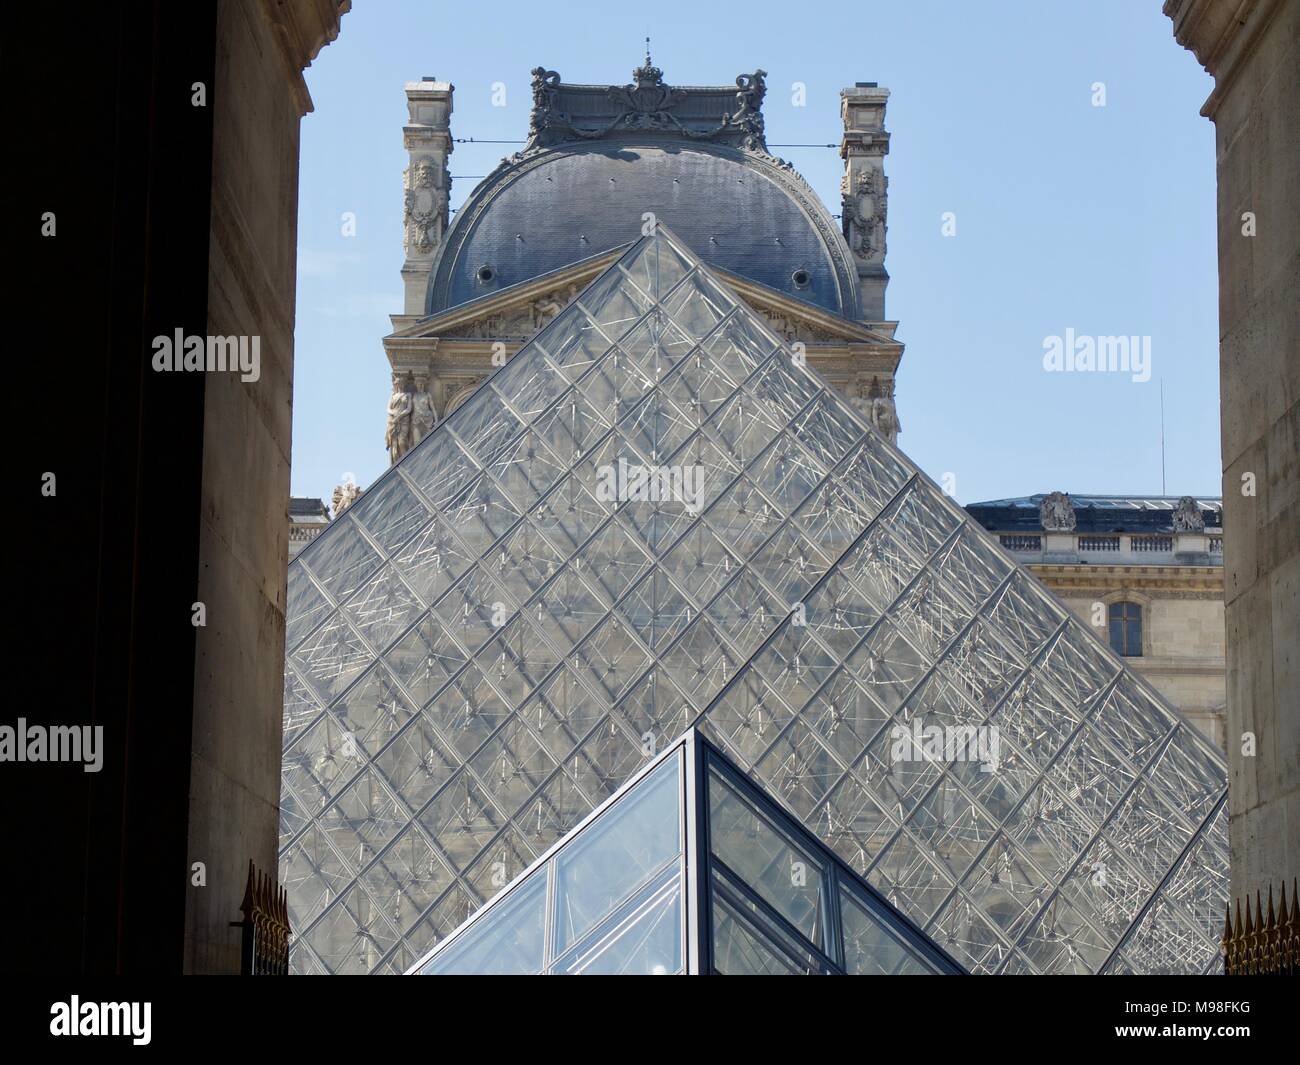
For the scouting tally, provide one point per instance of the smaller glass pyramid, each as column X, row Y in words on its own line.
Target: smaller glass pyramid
column 688, row 868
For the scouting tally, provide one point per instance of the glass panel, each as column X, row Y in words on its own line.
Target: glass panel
column 656, row 345
column 642, row 937
column 484, row 425
column 655, row 266
column 697, row 305
column 573, row 342
column 331, row 657
column 570, row 426
column 305, row 607
column 340, row 560
column 383, row 607
column 439, row 467
column 390, row 512
column 739, row 949
column 618, row 852
column 432, row 560
column 786, row 877
column 506, row 941
column 870, row 948
column 528, row 382
column 614, row 303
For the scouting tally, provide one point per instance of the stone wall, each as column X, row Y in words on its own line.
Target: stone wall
column 1250, row 49
column 258, row 100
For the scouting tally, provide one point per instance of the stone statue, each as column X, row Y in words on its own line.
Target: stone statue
column 749, row 110
column 1188, row 516
column 345, row 494
column 400, row 407
column 875, row 403
column 546, row 94
column 884, row 416
column 423, row 416
column 1056, row 512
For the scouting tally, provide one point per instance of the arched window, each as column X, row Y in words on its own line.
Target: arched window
column 1126, row 629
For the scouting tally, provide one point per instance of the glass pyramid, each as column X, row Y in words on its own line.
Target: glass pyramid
column 688, row 868
column 655, row 517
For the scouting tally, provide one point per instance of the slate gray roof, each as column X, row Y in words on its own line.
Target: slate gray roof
column 1094, row 513
column 596, row 164
column 307, row 507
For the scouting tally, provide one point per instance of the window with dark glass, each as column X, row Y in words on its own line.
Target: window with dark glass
column 1126, row 629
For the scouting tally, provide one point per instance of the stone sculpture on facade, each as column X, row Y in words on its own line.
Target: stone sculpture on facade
column 863, row 212
column 401, row 405
column 749, row 110
column 425, row 203
column 876, row 403
column 546, row 95
column 573, row 112
column 345, row 494
column 646, row 103
column 423, row 415
column 884, row 416
column 1188, row 516
column 1056, row 512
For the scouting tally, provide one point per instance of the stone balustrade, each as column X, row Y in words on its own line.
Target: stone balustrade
column 1117, row 549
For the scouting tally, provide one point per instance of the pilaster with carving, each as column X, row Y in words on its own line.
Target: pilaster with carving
column 873, row 396
column 426, row 183
column 864, row 191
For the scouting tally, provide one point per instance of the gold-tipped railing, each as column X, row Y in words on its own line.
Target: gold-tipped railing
column 1266, row 943
column 265, row 947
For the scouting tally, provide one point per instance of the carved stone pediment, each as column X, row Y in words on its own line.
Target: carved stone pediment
column 517, row 313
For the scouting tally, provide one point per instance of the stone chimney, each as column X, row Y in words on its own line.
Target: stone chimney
column 427, row 183
column 864, row 190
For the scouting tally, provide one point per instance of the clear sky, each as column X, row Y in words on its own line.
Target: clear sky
column 1096, row 219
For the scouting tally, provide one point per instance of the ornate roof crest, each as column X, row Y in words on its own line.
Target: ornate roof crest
column 721, row 114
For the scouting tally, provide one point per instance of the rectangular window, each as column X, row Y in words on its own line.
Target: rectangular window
column 1126, row 629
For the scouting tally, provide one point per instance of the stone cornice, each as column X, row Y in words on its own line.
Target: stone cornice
column 1220, row 33
column 445, row 323
column 1178, row 665
column 839, row 335
column 1199, row 581
column 301, row 28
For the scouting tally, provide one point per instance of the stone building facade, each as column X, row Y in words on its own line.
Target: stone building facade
column 1146, row 572
column 307, row 517
column 598, row 158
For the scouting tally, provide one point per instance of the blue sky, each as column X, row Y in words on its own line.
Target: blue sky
column 1068, row 215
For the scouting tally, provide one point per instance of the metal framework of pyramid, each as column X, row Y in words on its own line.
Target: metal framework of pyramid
column 688, row 868
column 485, row 646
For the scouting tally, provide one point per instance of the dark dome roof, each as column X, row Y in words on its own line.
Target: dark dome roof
column 738, row 210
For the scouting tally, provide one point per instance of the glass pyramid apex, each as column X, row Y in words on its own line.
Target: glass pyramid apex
column 688, row 868
column 655, row 516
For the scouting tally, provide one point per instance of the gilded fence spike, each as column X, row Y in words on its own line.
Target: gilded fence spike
column 1265, row 941
column 265, row 947
column 1226, row 943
